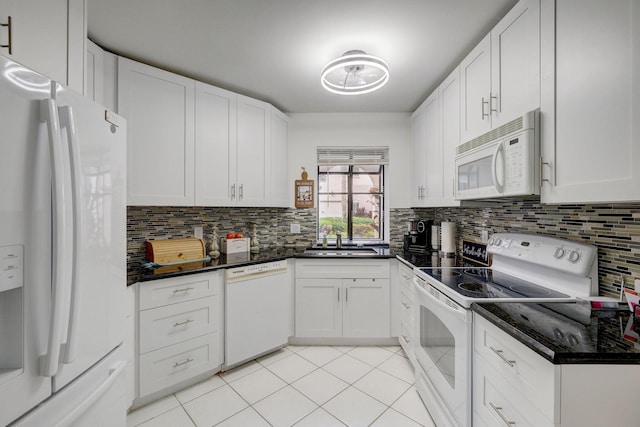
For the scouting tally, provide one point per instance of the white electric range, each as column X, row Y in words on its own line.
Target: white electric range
column 525, row 268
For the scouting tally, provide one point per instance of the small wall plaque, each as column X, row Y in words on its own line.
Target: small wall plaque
column 304, row 193
column 476, row 252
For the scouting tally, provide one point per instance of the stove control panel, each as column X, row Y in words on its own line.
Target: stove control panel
column 564, row 255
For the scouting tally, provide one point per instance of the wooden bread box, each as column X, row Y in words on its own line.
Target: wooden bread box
column 176, row 250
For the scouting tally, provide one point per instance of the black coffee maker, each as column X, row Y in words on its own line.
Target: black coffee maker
column 417, row 239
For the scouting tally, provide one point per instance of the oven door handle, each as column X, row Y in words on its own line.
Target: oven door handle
column 446, row 303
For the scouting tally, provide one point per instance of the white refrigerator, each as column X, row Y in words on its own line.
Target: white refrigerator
column 62, row 255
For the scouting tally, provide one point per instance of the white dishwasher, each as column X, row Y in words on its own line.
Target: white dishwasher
column 257, row 310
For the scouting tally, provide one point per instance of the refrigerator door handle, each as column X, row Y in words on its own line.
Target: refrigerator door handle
column 80, row 409
column 49, row 114
column 67, row 120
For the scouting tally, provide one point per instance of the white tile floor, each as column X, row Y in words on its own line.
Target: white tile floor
column 299, row 386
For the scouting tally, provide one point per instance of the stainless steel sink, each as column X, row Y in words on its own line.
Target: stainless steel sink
column 341, row 252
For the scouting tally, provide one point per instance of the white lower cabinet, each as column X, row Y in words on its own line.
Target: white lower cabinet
column 513, row 385
column 180, row 332
column 342, row 298
column 407, row 317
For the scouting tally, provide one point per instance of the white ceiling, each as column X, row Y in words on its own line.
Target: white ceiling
column 274, row 50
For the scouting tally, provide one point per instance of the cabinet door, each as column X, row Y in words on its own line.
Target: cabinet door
column 432, row 165
column 418, row 137
column 591, row 110
column 366, row 308
column 253, row 129
column 215, row 135
column 515, row 63
column 38, row 35
column 94, row 78
column 279, row 167
column 475, row 91
column 450, row 130
column 159, row 108
column 318, row 308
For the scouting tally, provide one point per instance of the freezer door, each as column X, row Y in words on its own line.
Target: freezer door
column 25, row 239
column 97, row 150
column 97, row 399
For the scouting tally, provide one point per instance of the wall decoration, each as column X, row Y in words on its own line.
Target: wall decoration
column 304, row 191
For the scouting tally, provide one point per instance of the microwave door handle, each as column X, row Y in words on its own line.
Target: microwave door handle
column 496, row 182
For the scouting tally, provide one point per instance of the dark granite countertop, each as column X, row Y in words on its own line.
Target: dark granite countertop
column 411, row 259
column 241, row 259
column 568, row 333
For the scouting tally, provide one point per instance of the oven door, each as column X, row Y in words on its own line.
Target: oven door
column 443, row 352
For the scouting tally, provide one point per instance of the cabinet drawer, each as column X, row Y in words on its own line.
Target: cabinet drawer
column 520, row 366
column 497, row 402
column 406, row 278
column 171, row 291
column 342, row 268
column 407, row 301
column 406, row 332
column 163, row 326
column 170, row 365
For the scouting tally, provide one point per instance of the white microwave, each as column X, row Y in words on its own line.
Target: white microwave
column 502, row 163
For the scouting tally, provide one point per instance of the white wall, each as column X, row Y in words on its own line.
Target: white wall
column 308, row 131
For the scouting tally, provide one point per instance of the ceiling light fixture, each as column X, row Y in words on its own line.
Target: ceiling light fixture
column 355, row 73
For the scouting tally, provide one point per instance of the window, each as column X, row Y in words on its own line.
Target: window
column 351, row 193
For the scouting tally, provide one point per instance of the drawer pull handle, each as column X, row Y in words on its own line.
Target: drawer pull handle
column 498, row 410
column 175, row 365
column 406, row 305
column 500, row 354
column 182, row 290
column 186, row 322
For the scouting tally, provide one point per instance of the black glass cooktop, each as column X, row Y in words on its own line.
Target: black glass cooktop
column 480, row 282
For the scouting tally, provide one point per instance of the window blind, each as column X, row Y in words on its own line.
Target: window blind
column 353, row 156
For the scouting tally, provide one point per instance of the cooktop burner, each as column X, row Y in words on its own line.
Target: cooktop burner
column 438, row 272
column 532, row 290
column 477, row 288
column 483, row 283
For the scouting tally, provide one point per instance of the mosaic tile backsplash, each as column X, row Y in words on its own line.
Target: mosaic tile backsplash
column 615, row 229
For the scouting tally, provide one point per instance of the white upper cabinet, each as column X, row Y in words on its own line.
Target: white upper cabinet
column 94, row 73
column 475, row 89
column 279, row 164
column 195, row 144
column 419, row 154
column 426, row 150
column 500, row 78
column 241, row 150
column 215, row 145
column 435, row 134
column 591, row 101
column 253, row 131
column 449, row 95
column 159, row 108
column 515, row 63
column 47, row 36
column 432, row 163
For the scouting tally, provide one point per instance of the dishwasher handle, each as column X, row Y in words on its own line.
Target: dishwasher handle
column 254, row 271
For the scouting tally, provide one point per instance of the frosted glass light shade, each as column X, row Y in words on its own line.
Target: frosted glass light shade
column 355, row 73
